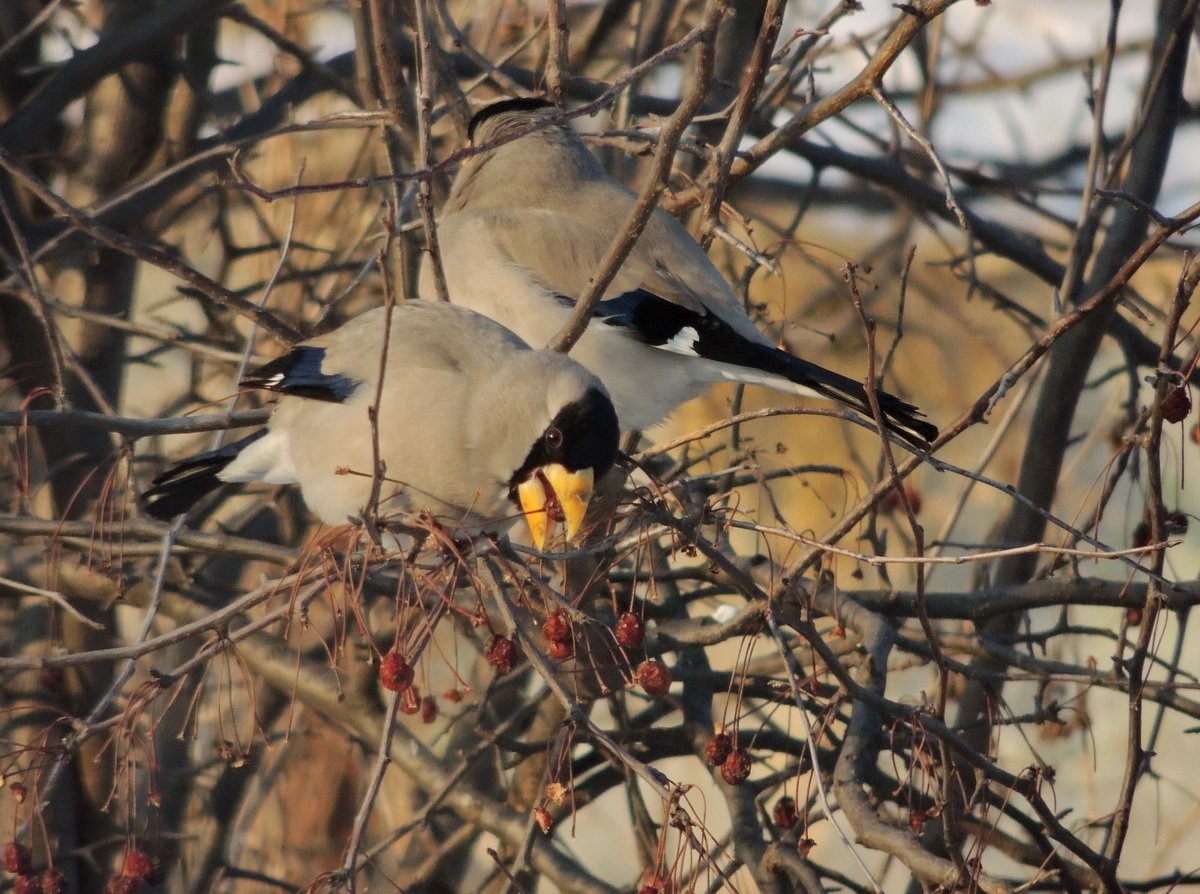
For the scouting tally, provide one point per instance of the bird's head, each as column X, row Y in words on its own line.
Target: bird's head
column 500, row 118
column 556, row 480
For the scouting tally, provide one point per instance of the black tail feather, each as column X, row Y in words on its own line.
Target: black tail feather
column 899, row 416
column 180, row 487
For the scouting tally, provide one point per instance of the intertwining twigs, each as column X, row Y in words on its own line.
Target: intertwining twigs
column 785, row 656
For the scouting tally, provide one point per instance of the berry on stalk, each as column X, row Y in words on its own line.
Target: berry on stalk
column 736, row 768
column 395, row 673
column 652, row 675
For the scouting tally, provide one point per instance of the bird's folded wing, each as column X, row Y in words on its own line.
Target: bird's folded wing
column 561, row 252
column 300, row 372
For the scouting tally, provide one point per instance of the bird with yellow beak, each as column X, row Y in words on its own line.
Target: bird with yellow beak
column 463, row 403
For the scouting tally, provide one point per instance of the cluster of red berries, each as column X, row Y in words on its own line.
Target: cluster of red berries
column 17, row 861
column 137, row 867
column 734, row 761
column 560, row 642
column 652, row 675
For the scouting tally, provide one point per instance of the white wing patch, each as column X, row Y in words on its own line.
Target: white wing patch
column 683, row 342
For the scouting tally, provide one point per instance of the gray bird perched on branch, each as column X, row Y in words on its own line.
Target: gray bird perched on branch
column 473, row 425
column 525, row 227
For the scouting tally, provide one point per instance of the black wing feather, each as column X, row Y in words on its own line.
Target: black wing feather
column 659, row 322
column 299, row 373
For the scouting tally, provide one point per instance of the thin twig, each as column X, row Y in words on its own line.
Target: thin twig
column 134, row 428
column 158, row 257
column 647, row 200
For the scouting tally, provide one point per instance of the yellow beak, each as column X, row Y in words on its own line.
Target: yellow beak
column 553, row 493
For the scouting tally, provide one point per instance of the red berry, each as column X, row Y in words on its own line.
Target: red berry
column 736, row 768
column 542, row 817
column 784, row 814
column 395, row 673
column 717, row 749
column 556, row 628
column 653, row 676
column 1133, row 617
column 453, row 695
column 561, row 650
column 16, row 859
column 1176, row 405
column 914, row 498
column 429, row 710
column 916, row 820
column 51, row 679
column 501, row 653
column 630, row 630
column 138, row 864
column 410, row 700
column 805, row 847
column 892, row 502
column 54, row 882
column 656, row 884
column 27, row 884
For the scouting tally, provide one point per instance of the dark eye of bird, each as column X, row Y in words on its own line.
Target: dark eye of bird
column 554, row 438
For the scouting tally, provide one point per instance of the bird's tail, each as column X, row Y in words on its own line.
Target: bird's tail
column 899, row 417
column 179, row 488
